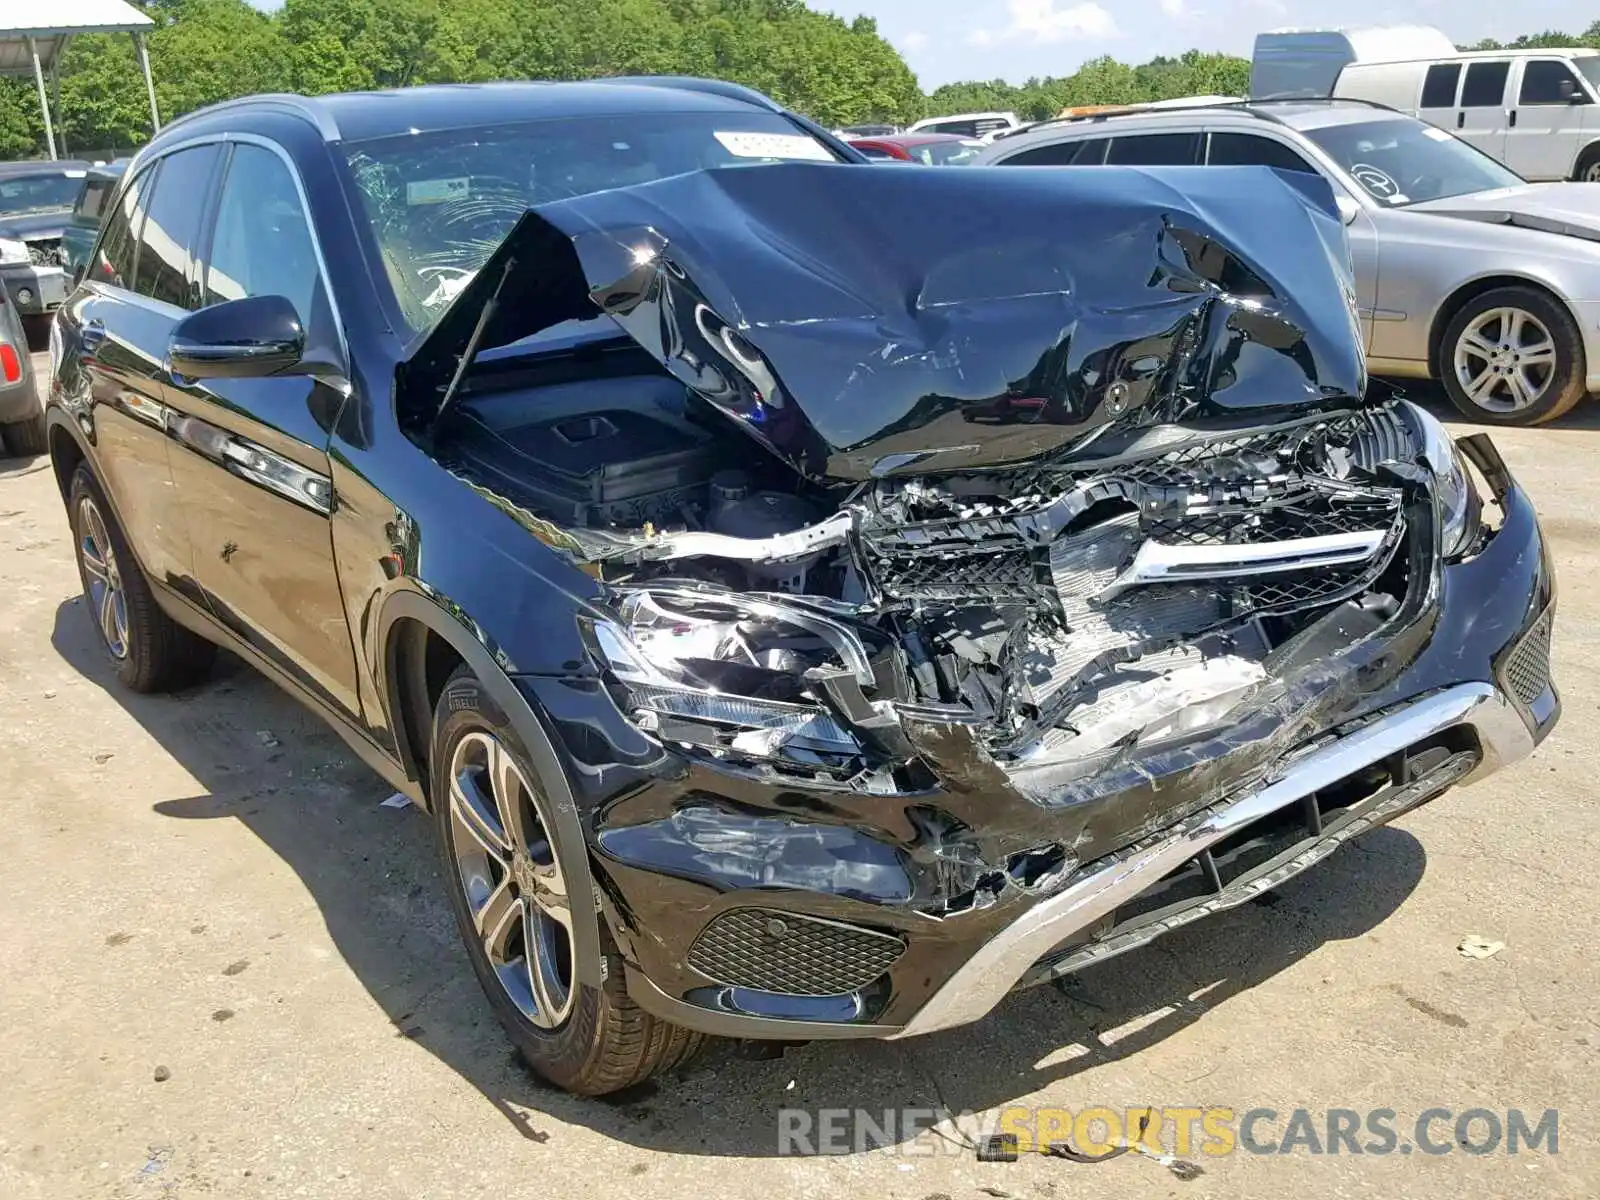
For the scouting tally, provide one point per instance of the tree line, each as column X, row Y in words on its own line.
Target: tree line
column 837, row 71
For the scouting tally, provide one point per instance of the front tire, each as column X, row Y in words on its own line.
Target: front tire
column 150, row 651
column 1513, row 356
column 507, row 879
column 1588, row 168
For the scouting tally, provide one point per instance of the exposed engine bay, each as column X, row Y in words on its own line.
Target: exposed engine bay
column 1068, row 610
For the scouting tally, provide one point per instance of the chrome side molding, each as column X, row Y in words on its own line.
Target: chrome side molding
column 1159, row 563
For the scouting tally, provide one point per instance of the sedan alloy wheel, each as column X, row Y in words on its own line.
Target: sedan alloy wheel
column 1505, row 360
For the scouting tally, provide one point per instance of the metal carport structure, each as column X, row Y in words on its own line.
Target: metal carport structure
column 29, row 47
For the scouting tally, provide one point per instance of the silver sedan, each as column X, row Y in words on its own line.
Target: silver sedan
column 1465, row 272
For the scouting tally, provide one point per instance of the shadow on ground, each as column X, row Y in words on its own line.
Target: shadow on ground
column 268, row 764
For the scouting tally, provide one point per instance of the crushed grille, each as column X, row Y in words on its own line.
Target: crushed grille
column 773, row 951
column 1527, row 667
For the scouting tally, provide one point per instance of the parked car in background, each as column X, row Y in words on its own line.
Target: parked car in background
column 928, row 149
column 35, row 201
column 83, row 226
column 971, row 125
column 22, row 418
column 1535, row 110
column 1464, row 272
column 867, row 131
column 799, row 621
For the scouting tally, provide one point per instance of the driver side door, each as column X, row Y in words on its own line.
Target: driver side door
column 250, row 455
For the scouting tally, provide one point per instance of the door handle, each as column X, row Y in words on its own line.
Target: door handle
column 1461, row 120
column 90, row 334
column 1513, row 118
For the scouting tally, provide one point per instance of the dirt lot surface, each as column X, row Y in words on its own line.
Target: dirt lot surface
column 204, row 890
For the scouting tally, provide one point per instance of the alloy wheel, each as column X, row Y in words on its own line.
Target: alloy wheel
column 513, row 882
column 1591, row 173
column 1505, row 360
column 107, row 597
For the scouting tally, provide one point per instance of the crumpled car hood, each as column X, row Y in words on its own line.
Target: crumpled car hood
column 1570, row 209
column 863, row 323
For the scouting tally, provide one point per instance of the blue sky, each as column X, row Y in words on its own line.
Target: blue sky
column 946, row 40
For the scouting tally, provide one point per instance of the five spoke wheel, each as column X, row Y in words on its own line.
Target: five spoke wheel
column 107, row 597
column 514, row 886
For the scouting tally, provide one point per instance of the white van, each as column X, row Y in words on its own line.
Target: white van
column 969, row 125
column 1537, row 111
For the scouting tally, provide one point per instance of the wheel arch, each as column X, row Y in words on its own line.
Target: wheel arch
column 1467, row 292
column 1583, row 158
column 67, row 451
column 420, row 639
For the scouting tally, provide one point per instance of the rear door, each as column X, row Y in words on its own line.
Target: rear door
column 115, row 331
column 250, row 456
column 1546, row 122
column 1483, row 113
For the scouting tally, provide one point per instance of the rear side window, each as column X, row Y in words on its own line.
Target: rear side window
column 1155, row 150
column 113, row 262
column 1090, row 152
column 262, row 245
column 1548, row 81
column 1486, row 85
column 93, row 199
column 172, row 226
column 1248, row 150
column 1439, row 87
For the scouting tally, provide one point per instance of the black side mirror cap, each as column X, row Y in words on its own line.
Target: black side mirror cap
column 238, row 339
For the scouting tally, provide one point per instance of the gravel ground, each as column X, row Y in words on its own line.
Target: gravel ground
column 231, row 972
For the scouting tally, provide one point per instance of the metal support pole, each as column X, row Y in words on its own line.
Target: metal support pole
column 55, row 85
column 149, row 84
column 44, row 100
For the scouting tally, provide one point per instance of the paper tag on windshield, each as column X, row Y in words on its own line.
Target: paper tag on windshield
column 437, row 191
column 774, row 145
column 1437, row 135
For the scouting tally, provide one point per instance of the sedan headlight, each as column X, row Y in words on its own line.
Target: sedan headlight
column 1460, row 506
column 12, row 252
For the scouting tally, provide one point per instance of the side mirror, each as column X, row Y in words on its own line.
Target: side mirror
column 1349, row 209
column 1577, row 98
column 238, row 339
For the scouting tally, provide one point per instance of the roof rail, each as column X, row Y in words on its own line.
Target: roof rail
column 693, row 83
column 299, row 106
column 1136, row 110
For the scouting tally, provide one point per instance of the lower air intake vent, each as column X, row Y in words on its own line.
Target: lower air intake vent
column 1527, row 667
column 772, row 951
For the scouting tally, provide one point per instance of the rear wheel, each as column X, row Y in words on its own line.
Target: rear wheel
column 28, row 436
column 1588, row 168
column 508, row 880
column 150, row 651
column 1513, row 356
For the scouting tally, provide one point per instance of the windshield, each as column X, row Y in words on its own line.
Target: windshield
column 1589, row 67
column 39, row 193
column 946, row 154
column 1399, row 161
column 439, row 203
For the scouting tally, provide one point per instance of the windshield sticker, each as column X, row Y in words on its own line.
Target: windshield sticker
column 437, row 191
column 1437, row 135
column 774, row 145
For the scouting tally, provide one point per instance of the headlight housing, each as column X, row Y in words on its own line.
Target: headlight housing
column 1460, row 505
column 12, row 252
column 742, row 676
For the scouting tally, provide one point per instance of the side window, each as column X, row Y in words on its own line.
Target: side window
column 1155, row 150
column 1439, row 87
column 1088, row 152
column 1248, row 150
column 113, row 261
column 172, row 226
column 93, row 198
column 262, row 245
column 1549, row 81
column 1486, row 85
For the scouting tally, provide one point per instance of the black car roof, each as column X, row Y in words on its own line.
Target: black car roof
column 355, row 116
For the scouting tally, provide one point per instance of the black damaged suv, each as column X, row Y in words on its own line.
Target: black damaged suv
column 812, row 602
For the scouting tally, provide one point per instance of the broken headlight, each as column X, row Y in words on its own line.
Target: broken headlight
column 732, row 674
column 1460, row 506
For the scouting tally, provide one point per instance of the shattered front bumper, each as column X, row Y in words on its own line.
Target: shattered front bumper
column 755, row 909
